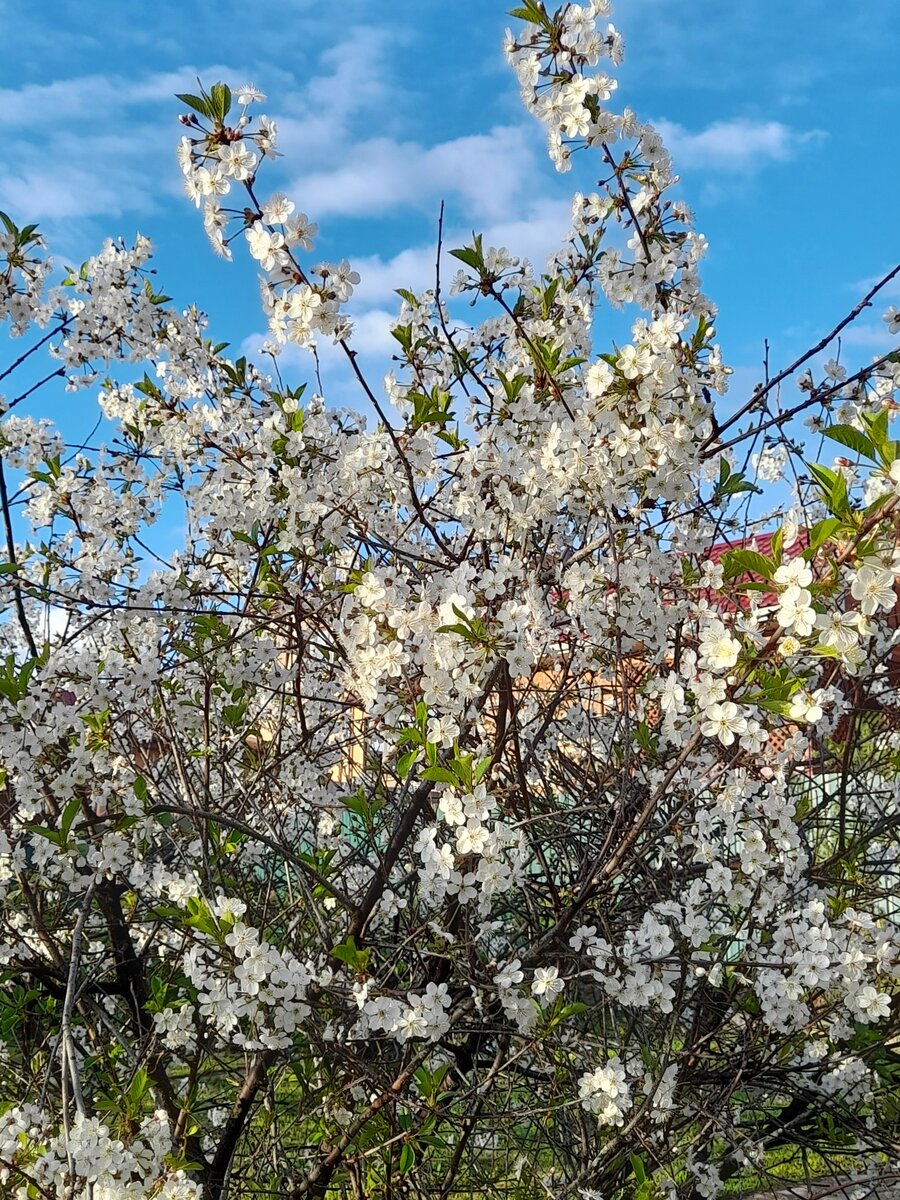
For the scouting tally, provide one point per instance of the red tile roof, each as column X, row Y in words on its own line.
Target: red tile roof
column 762, row 544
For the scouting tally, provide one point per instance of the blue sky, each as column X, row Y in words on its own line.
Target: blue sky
column 778, row 117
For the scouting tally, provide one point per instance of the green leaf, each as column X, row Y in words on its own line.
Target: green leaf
column 156, row 298
column 853, row 439
column 462, row 769
column 877, row 503
column 407, row 1159
column 472, row 255
column 138, row 1088
column 403, row 334
column 782, row 707
column 731, row 484
column 747, row 562
column 833, row 486
column 199, row 917
column 348, row 952
column 637, row 1166
column 533, row 12
column 776, row 545
column 736, row 485
column 197, row 103
column 820, row 534
column 470, row 633
column 482, row 767
column 469, row 257
column 52, row 835
column 405, row 763
column 439, row 775
column 429, row 1083
column 877, row 427
column 220, row 102
column 408, row 736
column 359, row 805
column 826, row 651
column 70, row 812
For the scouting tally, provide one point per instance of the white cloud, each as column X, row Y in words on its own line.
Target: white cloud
column 95, row 146
column 533, row 236
column 314, row 119
column 73, row 176
column 739, row 145
column 890, row 291
column 372, row 339
column 351, row 77
column 875, row 337
column 103, row 145
column 486, row 171
column 97, row 98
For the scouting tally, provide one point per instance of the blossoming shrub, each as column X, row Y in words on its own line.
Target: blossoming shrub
column 341, row 851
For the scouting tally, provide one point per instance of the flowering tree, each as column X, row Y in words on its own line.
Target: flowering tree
column 471, row 806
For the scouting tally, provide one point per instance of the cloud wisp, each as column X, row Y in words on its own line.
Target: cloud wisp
column 740, row 146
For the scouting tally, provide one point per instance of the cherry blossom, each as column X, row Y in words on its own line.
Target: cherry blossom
column 497, row 739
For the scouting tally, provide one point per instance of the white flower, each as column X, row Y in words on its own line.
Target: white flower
column 671, row 695
column 806, row 706
column 604, row 1091
column 442, row 731
column 795, row 610
column 838, row 629
column 249, row 93
column 583, row 937
column 872, row 1004
column 277, row 209
column 797, row 572
column 633, row 362
column 472, row 837
column 242, row 938
column 205, row 182
column 236, row 161
column 718, row 649
column 873, row 586
column 547, row 985
column 507, row 977
column 598, row 377
column 412, row 1023
column 383, row 1012
column 723, row 721
column 300, row 231
column 789, row 646
column 265, row 245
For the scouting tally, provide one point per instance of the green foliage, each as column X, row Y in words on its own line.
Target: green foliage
column 215, row 104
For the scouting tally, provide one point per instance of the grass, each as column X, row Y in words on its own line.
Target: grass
column 790, row 1164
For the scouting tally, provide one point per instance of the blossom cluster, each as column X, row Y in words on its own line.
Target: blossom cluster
column 489, row 751
column 214, row 157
